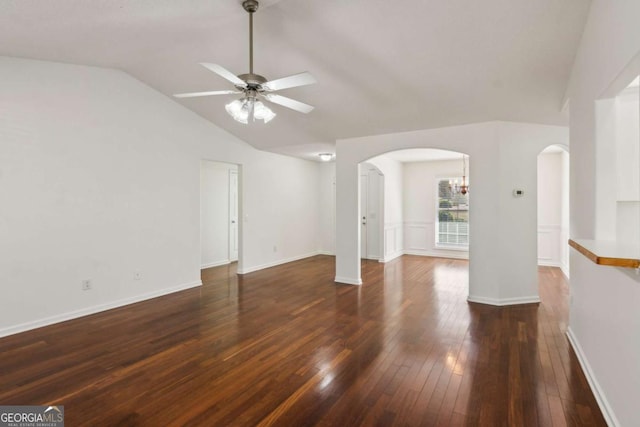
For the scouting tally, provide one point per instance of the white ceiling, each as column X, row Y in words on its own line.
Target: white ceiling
column 382, row 66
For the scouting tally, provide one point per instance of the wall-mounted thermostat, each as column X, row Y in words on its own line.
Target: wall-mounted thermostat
column 518, row 193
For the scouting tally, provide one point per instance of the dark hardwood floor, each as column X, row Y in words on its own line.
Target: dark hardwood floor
column 287, row 346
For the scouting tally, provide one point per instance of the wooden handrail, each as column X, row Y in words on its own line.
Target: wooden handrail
column 591, row 248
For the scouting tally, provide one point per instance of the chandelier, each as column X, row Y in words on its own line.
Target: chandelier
column 464, row 187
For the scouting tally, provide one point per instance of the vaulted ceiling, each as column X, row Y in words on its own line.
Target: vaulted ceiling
column 382, row 66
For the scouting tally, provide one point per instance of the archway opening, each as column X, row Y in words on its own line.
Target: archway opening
column 421, row 207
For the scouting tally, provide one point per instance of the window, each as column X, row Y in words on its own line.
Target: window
column 452, row 225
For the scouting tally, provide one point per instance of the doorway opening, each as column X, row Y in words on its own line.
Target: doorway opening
column 371, row 211
column 412, row 202
column 553, row 207
column 219, row 213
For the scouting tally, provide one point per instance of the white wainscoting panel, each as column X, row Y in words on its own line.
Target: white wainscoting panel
column 545, row 243
column 549, row 245
column 420, row 239
column 393, row 240
column 418, row 236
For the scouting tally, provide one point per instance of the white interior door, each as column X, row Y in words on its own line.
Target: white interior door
column 370, row 213
column 374, row 187
column 364, row 208
column 233, row 215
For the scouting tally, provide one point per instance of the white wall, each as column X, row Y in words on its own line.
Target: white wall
column 214, row 213
column 327, row 212
column 604, row 321
column 420, row 203
column 604, row 164
column 99, row 179
column 566, row 214
column 502, row 270
column 617, row 167
column 627, row 144
column 627, row 149
column 393, row 206
column 280, row 211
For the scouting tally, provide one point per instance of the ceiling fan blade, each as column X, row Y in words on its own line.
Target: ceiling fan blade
column 224, row 73
column 301, row 79
column 215, row 92
column 289, row 103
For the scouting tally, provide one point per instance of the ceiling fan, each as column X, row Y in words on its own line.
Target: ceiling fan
column 254, row 86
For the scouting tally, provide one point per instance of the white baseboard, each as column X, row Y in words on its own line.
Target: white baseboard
column 455, row 254
column 215, row 264
column 326, row 253
column 605, row 408
column 563, row 267
column 547, row 263
column 500, row 302
column 348, row 281
column 392, row 256
column 275, row 263
column 93, row 309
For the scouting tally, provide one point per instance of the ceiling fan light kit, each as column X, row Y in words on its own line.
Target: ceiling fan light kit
column 242, row 109
column 254, row 86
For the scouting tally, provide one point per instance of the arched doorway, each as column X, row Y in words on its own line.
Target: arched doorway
column 553, row 207
column 420, row 204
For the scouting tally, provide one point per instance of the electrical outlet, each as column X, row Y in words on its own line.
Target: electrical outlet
column 137, row 275
column 86, row 285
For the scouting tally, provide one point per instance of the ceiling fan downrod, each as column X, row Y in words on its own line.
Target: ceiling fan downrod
column 250, row 6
